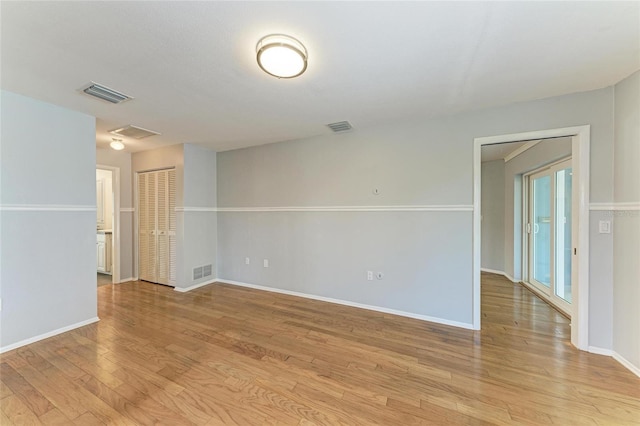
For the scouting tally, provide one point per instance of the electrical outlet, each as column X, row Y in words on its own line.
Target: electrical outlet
column 247, row 261
column 265, row 263
column 370, row 275
column 604, row 227
column 379, row 275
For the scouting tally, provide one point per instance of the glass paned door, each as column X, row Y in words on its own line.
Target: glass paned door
column 541, row 232
column 549, row 233
column 563, row 245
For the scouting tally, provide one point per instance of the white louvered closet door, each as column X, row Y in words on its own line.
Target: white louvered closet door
column 157, row 226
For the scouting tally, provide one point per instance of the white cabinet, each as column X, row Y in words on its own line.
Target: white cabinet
column 103, row 252
column 157, row 226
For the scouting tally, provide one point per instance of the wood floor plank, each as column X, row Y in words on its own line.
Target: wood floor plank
column 226, row 355
column 38, row 404
column 58, row 396
column 18, row 412
column 55, row 417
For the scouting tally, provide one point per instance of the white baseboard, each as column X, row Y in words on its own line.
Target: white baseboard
column 504, row 274
column 599, row 351
column 608, row 352
column 635, row 370
column 352, row 304
column 492, row 271
column 49, row 334
column 126, row 280
column 193, row 287
column 510, row 278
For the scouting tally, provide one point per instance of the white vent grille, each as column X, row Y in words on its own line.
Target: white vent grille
column 197, row 273
column 131, row 131
column 104, row 93
column 340, row 126
column 206, row 270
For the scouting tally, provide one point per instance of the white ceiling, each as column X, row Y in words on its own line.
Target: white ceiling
column 191, row 65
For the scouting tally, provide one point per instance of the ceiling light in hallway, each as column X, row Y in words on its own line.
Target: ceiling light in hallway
column 117, row 144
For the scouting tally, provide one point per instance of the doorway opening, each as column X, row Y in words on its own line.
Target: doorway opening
column 579, row 138
column 107, row 225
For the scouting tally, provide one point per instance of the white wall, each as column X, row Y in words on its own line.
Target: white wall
column 47, row 227
column 413, row 164
column 122, row 160
column 492, row 177
column 626, row 227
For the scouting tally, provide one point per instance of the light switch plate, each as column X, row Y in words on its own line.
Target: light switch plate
column 604, row 227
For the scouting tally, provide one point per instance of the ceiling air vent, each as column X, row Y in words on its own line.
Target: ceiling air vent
column 131, row 131
column 102, row 92
column 340, row 126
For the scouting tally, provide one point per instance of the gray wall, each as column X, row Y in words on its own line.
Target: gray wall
column 492, row 176
column 626, row 227
column 199, row 216
column 121, row 159
column 414, row 163
column 47, row 228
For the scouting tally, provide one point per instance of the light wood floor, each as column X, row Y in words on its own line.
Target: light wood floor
column 229, row 355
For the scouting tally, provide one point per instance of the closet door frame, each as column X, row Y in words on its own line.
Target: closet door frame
column 136, row 224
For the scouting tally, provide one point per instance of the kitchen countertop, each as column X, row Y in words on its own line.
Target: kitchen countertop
column 105, row 231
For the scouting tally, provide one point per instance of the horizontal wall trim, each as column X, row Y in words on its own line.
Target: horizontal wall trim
column 615, row 206
column 420, row 208
column 47, row 208
column 127, row 210
column 126, row 280
column 196, row 209
column 193, row 287
column 626, row 363
column 49, row 334
column 352, row 304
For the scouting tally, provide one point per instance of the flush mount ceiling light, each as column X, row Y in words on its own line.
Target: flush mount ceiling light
column 281, row 56
column 116, row 144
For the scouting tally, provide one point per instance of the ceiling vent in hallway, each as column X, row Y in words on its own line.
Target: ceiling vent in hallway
column 340, row 126
column 131, row 131
column 102, row 92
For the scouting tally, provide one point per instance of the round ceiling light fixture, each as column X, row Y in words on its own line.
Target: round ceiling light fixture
column 116, row 144
column 281, row 56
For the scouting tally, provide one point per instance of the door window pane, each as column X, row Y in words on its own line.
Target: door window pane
column 542, row 230
column 563, row 234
